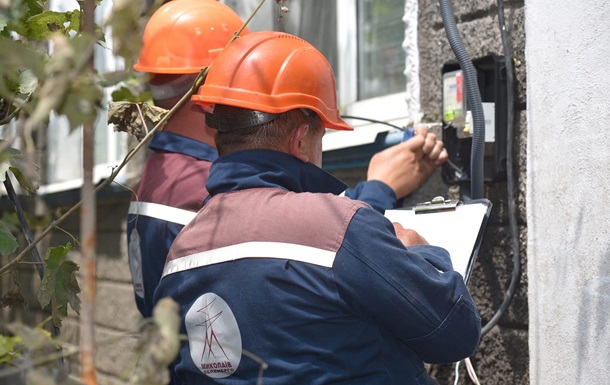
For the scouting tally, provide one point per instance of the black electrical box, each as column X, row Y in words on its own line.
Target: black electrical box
column 457, row 127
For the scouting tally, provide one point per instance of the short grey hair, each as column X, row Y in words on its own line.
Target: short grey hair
column 272, row 135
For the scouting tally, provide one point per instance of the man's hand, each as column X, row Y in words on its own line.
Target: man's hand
column 405, row 166
column 408, row 237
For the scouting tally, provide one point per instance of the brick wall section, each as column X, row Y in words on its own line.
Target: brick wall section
column 115, row 312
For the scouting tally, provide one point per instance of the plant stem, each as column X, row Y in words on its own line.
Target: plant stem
column 10, row 116
column 88, row 233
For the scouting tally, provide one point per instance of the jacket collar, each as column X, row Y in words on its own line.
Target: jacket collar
column 266, row 168
column 170, row 142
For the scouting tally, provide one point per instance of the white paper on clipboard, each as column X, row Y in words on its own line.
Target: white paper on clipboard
column 459, row 231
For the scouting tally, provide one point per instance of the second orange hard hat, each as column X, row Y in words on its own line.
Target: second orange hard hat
column 273, row 72
column 183, row 36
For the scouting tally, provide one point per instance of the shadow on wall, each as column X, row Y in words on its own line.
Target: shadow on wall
column 593, row 324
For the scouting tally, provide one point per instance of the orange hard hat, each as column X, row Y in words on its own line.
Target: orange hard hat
column 273, row 72
column 183, row 36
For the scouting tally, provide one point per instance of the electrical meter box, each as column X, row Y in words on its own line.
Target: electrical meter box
column 457, row 120
column 454, row 99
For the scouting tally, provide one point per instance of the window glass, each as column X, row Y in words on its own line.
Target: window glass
column 316, row 22
column 312, row 20
column 64, row 154
column 381, row 58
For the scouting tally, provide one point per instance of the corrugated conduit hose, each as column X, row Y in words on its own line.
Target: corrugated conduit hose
column 474, row 99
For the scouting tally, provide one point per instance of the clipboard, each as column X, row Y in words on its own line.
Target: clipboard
column 451, row 224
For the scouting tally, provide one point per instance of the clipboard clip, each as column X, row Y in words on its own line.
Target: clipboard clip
column 437, row 204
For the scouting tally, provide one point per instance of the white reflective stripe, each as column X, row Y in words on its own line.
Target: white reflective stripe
column 276, row 250
column 163, row 212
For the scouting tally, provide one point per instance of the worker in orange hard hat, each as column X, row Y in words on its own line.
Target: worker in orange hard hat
column 321, row 288
column 181, row 38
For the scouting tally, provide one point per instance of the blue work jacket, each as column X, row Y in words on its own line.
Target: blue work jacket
column 278, row 275
column 171, row 190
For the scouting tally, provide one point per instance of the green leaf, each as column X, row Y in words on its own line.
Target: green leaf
column 35, row 6
column 82, row 102
column 11, row 221
column 8, row 242
column 123, row 94
column 82, row 46
column 21, row 57
column 20, row 166
column 59, row 285
column 8, row 85
column 126, row 95
column 19, row 13
column 60, row 71
column 10, row 12
column 36, row 340
column 23, row 181
column 108, row 79
column 27, row 81
column 42, row 25
column 70, row 87
column 16, row 26
column 8, row 351
column 126, row 20
column 74, row 21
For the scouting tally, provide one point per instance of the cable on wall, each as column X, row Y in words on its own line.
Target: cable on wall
column 510, row 185
column 475, row 104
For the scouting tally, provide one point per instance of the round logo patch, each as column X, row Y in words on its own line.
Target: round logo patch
column 214, row 337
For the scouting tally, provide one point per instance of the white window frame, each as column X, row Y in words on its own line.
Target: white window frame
column 392, row 108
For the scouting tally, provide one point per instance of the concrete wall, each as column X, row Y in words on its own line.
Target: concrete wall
column 568, row 184
column 502, row 357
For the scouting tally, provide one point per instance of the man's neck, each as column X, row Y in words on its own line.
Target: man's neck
column 189, row 121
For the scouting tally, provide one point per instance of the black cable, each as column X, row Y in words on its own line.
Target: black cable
column 372, row 121
column 475, row 104
column 10, row 190
column 24, row 223
column 510, row 185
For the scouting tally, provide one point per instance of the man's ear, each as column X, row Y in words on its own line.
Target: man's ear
column 298, row 143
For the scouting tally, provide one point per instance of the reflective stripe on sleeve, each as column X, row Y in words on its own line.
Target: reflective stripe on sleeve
column 275, row 250
column 163, row 212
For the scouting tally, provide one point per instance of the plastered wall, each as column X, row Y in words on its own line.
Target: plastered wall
column 568, row 157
